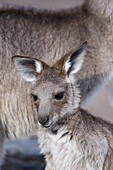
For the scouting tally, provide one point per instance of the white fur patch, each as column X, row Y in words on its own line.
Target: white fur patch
column 67, row 65
column 76, row 66
column 38, row 66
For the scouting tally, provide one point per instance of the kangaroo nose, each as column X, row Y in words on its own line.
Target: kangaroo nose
column 43, row 120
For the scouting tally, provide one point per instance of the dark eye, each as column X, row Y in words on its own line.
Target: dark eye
column 59, row 96
column 35, row 98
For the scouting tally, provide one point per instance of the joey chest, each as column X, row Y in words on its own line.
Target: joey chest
column 65, row 152
column 72, row 151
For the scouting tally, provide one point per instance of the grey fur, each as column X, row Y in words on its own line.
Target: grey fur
column 48, row 36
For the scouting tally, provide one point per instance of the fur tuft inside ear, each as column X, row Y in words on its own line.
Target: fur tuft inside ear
column 28, row 67
column 74, row 62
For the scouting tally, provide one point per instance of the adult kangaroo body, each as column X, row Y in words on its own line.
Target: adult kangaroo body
column 48, row 36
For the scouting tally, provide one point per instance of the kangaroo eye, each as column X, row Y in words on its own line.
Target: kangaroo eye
column 35, row 98
column 59, row 96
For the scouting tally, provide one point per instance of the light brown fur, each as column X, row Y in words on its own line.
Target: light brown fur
column 70, row 138
column 48, row 35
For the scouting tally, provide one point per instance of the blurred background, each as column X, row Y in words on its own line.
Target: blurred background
column 101, row 105
column 43, row 4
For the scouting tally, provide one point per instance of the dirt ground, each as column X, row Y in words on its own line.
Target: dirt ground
column 101, row 105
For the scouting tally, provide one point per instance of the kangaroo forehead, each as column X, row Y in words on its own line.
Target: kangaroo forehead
column 50, row 75
column 50, row 81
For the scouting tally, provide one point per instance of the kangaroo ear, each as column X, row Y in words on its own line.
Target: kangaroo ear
column 74, row 60
column 28, row 67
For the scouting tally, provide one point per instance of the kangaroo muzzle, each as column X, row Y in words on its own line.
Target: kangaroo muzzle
column 44, row 120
